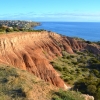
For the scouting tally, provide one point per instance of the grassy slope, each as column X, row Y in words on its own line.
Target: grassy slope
column 16, row 84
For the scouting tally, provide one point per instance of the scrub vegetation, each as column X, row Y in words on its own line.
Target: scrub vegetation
column 81, row 70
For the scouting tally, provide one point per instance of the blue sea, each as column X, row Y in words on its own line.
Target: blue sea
column 86, row 30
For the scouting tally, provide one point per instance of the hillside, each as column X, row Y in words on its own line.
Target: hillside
column 16, row 84
column 33, row 52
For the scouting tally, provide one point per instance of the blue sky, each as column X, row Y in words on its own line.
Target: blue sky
column 51, row 10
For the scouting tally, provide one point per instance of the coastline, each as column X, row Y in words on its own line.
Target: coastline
column 88, row 31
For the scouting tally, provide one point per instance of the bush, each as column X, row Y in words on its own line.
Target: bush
column 1, row 30
column 9, row 30
column 91, row 89
column 75, row 63
column 15, row 29
column 97, row 96
column 67, row 95
column 57, row 67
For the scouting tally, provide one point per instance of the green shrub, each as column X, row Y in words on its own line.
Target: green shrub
column 68, row 57
column 91, row 89
column 9, row 30
column 1, row 30
column 97, row 96
column 72, row 56
column 67, row 95
column 57, row 67
column 75, row 63
column 16, row 29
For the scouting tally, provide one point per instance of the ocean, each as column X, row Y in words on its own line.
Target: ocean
column 89, row 31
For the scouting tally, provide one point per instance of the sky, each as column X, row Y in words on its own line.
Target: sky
column 51, row 10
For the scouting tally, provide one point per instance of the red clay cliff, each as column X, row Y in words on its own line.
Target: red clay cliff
column 33, row 51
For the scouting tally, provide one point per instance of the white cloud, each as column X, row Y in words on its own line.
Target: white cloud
column 76, row 16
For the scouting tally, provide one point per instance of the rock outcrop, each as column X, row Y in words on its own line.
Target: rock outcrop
column 88, row 97
column 33, row 51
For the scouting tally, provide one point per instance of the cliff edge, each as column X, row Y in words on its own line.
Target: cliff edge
column 33, row 51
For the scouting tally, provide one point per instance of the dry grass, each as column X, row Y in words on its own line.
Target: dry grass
column 16, row 84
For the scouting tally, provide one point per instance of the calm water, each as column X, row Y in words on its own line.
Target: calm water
column 86, row 30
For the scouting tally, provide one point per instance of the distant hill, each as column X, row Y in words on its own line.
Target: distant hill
column 16, row 25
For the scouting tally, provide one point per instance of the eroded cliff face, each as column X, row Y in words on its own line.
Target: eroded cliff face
column 33, row 51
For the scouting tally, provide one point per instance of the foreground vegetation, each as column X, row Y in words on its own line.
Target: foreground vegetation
column 16, row 84
column 67, row 95
column 81, row 71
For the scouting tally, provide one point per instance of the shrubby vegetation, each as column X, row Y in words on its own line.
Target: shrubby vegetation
column 98, row 42
column 89, row 85
column 16, row 29
column 81, row 70
column 67, row 95
column 89, row 42
column 77, row 38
